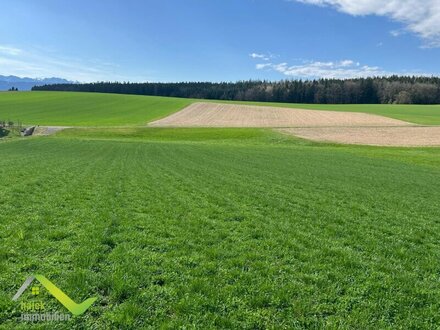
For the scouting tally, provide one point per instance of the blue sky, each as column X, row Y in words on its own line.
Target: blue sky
column 218, row 40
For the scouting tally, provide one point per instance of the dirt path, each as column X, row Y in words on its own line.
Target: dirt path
column 230, row 115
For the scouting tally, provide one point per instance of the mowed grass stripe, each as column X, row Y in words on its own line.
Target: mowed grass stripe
column 224, row 234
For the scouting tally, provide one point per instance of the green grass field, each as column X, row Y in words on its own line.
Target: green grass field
column 223, row 228
column 215, row 228
column 94, row 109
column 85, row 109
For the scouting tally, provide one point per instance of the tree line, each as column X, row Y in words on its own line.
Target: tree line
column 385, row 90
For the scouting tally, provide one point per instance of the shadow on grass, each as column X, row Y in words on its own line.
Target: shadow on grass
column 3, row 132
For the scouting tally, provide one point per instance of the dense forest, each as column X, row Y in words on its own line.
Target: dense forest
column 394, row 89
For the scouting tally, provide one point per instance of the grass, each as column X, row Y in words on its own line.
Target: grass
column 85, row 109
column 94, row 109
column 244, row 136
column 215, row 228
column 239, row 228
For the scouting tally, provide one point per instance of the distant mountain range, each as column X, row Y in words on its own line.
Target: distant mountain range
column 25, row 84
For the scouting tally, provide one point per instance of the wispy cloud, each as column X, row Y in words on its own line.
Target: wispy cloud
column 8, row 50
column 261, row 66
column 264, row 57
column 36, row 63
column 316, row 69
column 397, row 33
column 421, row 17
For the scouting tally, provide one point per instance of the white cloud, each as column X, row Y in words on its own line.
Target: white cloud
column 255, row 55
column 346, row 63
column 9, row 50
column 421, row 17
column 263, row 66
column 34, row 63
column 315, row 69
column 264, row 57
column 397, row 33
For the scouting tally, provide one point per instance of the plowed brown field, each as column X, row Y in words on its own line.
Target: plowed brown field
column 329, row 126
column 415, row 136
column 229, row 115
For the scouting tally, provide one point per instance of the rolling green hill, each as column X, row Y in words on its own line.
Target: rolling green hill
column 85, row 109
column 94, row 109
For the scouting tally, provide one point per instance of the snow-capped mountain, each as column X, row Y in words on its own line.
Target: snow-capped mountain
column 25, row 84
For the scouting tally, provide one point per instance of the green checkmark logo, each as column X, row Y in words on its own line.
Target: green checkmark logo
column 64, row 299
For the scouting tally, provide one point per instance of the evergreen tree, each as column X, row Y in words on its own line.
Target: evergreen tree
column 394, row 89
